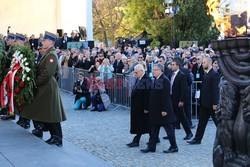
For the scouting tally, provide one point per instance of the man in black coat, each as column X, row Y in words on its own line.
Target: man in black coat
column 187, row 104
column 64, row 41
column 162, row 60
column 33, row 42
column 118, row 64
column 139, row 105
column 209, row 98
column 178, row 91
column 161, row 111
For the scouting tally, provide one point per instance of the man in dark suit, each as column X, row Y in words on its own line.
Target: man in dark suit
column 161, row 111
column 150, row 65
column 178, row 91
column 139, row 105
column 162, row 60
column 209, row 98
column 58, row 41
column 64, row 41
column 118, row 64
column 33, row 43
column 198, row 71
column 187, row 104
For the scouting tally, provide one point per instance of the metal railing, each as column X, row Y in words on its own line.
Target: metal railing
column 118, row 86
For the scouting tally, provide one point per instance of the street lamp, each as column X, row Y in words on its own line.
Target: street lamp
column 170, row 10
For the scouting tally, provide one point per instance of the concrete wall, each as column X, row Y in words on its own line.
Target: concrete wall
column 36, row 16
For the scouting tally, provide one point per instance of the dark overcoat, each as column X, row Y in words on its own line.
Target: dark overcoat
column 210, row 89
column 47, row 105
column 160, row 101
column 139, row 103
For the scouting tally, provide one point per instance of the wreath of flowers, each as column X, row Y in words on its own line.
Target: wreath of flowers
column 24, row 79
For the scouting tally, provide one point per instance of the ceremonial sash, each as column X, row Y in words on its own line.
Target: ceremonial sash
column 8, row 97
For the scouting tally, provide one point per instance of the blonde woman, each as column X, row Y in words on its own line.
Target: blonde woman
column 105, row 70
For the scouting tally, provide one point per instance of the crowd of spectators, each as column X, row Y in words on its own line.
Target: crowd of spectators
column 109, row 61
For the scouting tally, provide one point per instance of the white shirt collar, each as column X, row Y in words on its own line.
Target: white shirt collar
column 176, row 72
column 209, row 70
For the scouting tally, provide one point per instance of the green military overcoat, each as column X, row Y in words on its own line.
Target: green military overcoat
column 47, row 104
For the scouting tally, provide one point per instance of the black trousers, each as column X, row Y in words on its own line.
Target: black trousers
column 38, row 125
column 205, row 114
column 180, row 115
column 137, row 138
column 188, row 112
column 155, row 129
column 55, row 129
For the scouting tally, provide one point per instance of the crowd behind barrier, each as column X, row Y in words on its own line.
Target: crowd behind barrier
column 116, row 64
column 118, row 87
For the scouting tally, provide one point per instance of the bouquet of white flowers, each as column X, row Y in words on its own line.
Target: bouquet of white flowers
column 19, row 83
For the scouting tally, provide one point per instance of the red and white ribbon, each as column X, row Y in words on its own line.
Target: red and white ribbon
column 9, row 80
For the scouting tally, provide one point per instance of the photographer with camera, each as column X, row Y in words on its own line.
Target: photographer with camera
column 82, row 93
column 99, row 99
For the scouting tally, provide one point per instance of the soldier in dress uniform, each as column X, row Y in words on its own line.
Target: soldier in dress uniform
column 20, row 40
column 47, row 104
column 10, row 41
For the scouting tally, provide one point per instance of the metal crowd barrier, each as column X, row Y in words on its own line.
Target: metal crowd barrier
column 118, row 86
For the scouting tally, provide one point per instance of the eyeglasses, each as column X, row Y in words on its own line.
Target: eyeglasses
column 140, row 57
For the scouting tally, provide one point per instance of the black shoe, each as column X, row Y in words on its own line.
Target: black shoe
column 188, row 137
column 192, row 126
column 37, row 132
column 133, row 144
column 25, row 124
column 7, row 117
column 50, row 140
column 58, row 142
column 171, row 150
column 165, row 137
column 19, row 122
column 147, row 150
column 55, row 140
column 93, row 109
column 194, row 141
column 3, row 112
column 157, row 142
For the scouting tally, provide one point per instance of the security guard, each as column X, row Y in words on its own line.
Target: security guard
column 47, row 105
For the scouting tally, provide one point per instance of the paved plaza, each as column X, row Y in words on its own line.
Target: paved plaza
column 102, row 136
column 105, row 135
